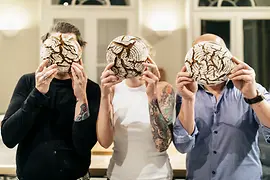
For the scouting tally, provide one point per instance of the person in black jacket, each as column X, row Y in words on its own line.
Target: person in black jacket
column 52, row 117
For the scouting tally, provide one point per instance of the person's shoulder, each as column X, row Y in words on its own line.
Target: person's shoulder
column 27, row 78
column 26, row 82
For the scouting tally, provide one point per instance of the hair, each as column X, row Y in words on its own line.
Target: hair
column 64, row 27
column 151, row 50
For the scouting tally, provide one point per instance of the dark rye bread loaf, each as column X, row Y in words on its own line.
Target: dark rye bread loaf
column 128, row 53
column 209, row 63
column 61, row 49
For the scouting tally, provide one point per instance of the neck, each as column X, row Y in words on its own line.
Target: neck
column 134, row 82
column 62, row 76
column 216, row 89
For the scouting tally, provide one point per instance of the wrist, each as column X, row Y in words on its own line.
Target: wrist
column 152, row 97
column 190, row 103
column 41, row 91
column 254, row 99
column 104, row 96
column 82, row 99
column 252, row 94
column 189, row 99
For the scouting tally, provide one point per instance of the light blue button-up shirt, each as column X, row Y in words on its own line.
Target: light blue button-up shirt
column 224, row 144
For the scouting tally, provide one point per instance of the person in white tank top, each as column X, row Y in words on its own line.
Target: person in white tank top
column 136, row 114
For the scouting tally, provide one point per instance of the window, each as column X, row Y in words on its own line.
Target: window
column 107, row 30
column 92, row 2
column 234, row 3
column 256, row 48
column 218, row 27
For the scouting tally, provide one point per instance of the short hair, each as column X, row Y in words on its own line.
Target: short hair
column 64, row 27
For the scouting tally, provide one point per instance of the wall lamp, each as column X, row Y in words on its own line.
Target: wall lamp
column 12, row 20
column 162, row 22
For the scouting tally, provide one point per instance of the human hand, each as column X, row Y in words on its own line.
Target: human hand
column 44, row 76
column 79, row 81
column 108, row 79
column 186, row 86
column 243, row 78
column 151, row 77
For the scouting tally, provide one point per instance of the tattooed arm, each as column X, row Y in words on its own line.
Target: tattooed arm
column 161, row 116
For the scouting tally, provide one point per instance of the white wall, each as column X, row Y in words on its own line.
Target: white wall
column 19, row 54
column 170, row 50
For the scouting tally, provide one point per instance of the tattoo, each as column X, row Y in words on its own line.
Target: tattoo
column 167, row 103
column 161, row 117
column 84, row 114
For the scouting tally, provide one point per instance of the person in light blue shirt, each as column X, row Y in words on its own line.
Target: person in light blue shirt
column 217, row 126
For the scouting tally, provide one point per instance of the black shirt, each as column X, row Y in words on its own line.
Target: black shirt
column 51, row 145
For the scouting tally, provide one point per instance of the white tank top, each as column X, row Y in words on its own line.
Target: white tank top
column 134, row 154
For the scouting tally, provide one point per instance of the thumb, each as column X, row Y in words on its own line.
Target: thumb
column 236, row 60
column 184, row 69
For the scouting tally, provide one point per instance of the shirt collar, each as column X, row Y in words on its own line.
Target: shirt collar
column 229, row 85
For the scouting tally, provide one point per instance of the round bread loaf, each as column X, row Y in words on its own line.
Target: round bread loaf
column 61, row 49
column 128, row 53
column 209, row 63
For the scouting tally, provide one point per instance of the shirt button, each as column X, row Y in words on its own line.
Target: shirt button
column 215, row 152
column 215, row 132
column 213, row 172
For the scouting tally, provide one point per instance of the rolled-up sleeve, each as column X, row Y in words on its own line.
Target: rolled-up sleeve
column 181, row 139
column 265, row 130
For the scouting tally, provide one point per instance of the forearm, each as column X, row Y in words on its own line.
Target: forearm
column 186, row 115
column 161, row 131
column 104, row 123
column 81, row 110
column 16, row 125
column 83, row 132
column 262, row 110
